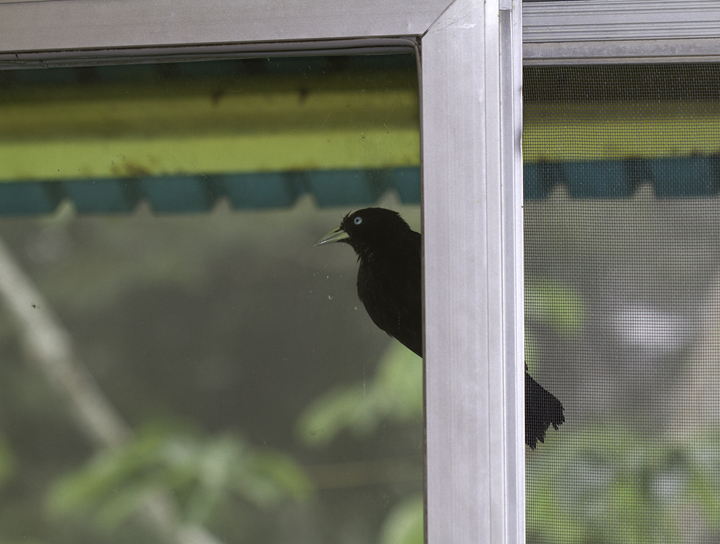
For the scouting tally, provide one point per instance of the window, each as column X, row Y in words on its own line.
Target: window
column 621, row 271
column 620, row 139
column 471, row 169
column 205, row 371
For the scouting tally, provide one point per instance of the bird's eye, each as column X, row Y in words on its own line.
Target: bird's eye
column 357, row 220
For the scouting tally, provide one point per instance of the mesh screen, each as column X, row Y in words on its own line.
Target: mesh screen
column 622, row 271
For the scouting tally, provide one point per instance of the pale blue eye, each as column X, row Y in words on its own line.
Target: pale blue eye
column 357, row 220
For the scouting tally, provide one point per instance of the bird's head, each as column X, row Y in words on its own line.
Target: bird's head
column 366, row 228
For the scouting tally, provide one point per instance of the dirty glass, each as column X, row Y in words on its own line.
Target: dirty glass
column 178, row 364
column 622, row 275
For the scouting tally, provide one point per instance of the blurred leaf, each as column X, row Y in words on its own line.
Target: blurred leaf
column 406, row 523
column 395, row 393
column 555, row 304
column 531, row 358
column 201, row 473
column 271, row 476
column 607, row 483
column 7, row 462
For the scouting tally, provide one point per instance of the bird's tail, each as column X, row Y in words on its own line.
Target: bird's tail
column 542, row 409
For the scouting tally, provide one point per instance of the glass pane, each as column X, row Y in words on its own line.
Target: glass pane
column 623, row 296
column 178, row 360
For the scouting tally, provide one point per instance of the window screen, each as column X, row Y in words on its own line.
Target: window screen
column 622, row 272
column 178, row 363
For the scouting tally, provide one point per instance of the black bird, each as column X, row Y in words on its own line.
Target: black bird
column 389, row 285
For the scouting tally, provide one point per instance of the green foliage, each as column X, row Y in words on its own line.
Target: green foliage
column 7, row 467
column 7, row 462
column 607, row 484
column 406, row 523
column 556, row 304
column 395, row 393
column 201, row 473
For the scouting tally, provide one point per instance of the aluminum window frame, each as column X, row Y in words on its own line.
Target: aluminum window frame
column 627, row 31
column 470, row 55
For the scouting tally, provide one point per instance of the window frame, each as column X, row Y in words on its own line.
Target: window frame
column 471, row 56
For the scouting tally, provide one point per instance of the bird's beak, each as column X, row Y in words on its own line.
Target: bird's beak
column 337, row 235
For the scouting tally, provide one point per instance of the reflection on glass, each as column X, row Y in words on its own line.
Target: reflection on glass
column 179, row 364
column 622, row 300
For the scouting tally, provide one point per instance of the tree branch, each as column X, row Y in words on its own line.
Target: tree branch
column 51, row 349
